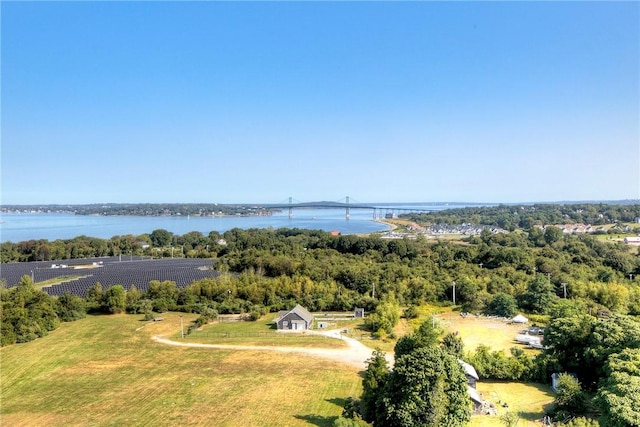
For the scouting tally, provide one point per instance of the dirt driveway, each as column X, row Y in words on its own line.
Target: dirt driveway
column 356, row 353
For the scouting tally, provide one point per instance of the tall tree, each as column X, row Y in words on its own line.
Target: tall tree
column 373, row 382
column 539, row 296
column 619, row 395
column 427, row 387
column 160, row 237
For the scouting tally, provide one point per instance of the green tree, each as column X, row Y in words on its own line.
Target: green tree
column 503, row 305
column 114, row 299
column 26, row 313
column 427, row 387
column 453, row 344
column 93, row 297
column 356, row 421
column 510, row 419
column 552, row 234
column 160, row 238
column 539, row 296
column 566, row 339
column 570, row 399
column 71, row 307
column 610, row 336
column 426, row 335
column 373, row 382
column 385, row 317
column 619, row 395
column 132, row 299
column 580, row 422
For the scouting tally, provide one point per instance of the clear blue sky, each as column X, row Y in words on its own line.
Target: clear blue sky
column 382, row 101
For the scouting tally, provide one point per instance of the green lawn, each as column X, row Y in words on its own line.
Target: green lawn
column 495, row 333
column 526, row 400
column 261, row 332
column 106, row 371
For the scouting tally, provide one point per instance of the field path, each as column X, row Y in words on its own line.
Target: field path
column 356, row 354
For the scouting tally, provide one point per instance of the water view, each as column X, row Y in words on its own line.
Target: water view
column 17, row 227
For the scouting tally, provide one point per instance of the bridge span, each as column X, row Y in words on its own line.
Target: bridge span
column 378, row 211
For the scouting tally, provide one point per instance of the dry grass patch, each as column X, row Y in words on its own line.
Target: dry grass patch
column 106, row 371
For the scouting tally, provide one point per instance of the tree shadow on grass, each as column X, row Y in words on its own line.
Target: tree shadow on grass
column 337, row 401
column 530, row 416
column 318, row 420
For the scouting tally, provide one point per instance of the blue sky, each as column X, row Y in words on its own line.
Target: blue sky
column 257, row 101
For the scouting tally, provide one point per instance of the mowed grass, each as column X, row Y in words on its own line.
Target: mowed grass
column 494, row 333
column 528, row 401
column 106, row 371
column 259, row 333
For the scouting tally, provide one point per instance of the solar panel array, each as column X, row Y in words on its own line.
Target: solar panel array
column 110, row 271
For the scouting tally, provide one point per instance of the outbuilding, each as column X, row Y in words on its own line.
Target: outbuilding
column 296, row 319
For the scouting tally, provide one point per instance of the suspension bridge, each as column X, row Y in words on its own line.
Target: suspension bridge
column 378, row 211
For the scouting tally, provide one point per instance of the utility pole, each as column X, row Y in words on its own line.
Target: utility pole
column 373, row 291
column 454, row 292
column 181, row 327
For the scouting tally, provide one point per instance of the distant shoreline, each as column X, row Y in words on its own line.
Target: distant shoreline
column 391, row 225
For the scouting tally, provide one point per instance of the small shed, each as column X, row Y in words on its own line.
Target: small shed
column 358, row 312
column 519, row 319
column 296, row 319
column 322, row 324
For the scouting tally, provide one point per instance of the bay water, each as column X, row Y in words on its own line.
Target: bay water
column 17, row 227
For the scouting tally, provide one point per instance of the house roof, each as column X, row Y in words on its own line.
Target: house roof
column 300, row 311
column 474, row 395
column 468, row 369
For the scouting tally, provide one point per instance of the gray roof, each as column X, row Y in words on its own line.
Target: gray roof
column 468, row 369
column 474, row 395
column 300, row 311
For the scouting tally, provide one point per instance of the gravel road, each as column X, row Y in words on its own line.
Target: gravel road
column 355, row 354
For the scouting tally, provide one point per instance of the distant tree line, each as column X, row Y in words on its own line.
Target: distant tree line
column 512, row 217
column 145, row 209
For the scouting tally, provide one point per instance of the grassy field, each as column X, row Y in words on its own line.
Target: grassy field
column 106, row 371
column 261, row 332
column 495, row 333
column 526, row 400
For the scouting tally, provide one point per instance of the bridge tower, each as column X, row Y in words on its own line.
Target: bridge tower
column 347, row 214
column 290, row 207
